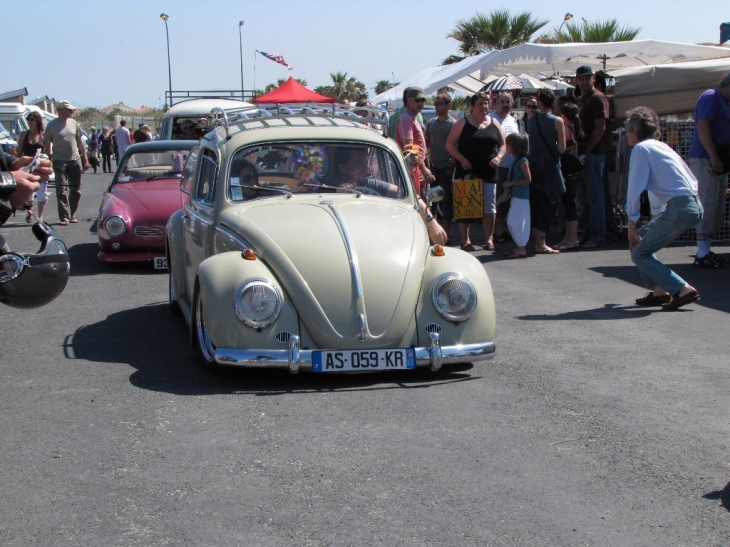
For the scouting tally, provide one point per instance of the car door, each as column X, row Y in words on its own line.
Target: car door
column 199, row 216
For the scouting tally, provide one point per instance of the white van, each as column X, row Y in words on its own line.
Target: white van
column 12, row 124
column 192, row 110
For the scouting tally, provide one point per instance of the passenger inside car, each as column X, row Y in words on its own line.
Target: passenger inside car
column 352, row 171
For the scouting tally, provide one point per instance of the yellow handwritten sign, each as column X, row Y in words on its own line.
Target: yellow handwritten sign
column 468, row 199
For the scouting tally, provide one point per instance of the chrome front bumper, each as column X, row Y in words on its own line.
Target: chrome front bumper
column 296, row 359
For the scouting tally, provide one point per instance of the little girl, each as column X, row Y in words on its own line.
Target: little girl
column 518, row 181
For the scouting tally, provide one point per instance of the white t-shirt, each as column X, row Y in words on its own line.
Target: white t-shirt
column 509, row 126
column 122, row 138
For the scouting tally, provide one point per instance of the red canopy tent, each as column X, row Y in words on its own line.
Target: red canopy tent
column 292, row 91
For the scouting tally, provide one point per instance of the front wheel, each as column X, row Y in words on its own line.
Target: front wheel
column 202, row 337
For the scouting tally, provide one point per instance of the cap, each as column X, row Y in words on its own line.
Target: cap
column 416, row 93
column 65, row 104
column 141, row 125
column 584, row 71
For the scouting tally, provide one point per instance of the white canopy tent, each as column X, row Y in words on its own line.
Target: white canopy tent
column 666, row 89
column 469, row 75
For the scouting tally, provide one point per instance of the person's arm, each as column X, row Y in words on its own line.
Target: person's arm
column 639, row 170
column 452, row 143
column 560, row 128
column 436, row 233
column 82, row 150
column 500, row 143
column 704, row 132
column 526, row 177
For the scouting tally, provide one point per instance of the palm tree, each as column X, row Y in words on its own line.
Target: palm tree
column 592, row 31
column 344, row 88
column 498, row 30
column 384, row 85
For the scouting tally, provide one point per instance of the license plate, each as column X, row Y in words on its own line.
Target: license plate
column 363, row 360
column 160, row 263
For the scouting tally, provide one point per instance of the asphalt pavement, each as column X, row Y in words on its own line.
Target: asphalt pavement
column 597, row 422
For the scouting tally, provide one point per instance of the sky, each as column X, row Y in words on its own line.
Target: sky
column 96, row 53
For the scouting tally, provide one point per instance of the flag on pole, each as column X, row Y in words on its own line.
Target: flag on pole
column 276, row 58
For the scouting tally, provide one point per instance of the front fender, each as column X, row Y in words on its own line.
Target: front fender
column 482, row 324
column 175, row 256
column 220, row 277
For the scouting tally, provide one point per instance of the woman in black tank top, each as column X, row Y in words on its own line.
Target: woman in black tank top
column 29, row 142
column 477, row 143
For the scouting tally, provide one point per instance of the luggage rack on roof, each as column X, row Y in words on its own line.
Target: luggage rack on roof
column 376, row 118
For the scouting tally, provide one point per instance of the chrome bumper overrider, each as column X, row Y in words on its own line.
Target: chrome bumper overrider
column 296, row 359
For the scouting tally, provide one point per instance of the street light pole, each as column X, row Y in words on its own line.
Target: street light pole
column 568, row 17
column 165, row 17
column 240, row 45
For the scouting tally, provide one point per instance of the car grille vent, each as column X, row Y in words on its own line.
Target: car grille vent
column 146, row 231
column 433, row 327
column 283, row 337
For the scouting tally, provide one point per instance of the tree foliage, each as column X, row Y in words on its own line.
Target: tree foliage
column 343, row 88
column 498, row 30
column 591, row 31
column 384, row 85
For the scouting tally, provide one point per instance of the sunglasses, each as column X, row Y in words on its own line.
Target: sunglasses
column 440, row 103
column 531, row 106
column 420, row 100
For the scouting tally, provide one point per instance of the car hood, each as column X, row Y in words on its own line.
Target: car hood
column 158, row 197
column 305, row 244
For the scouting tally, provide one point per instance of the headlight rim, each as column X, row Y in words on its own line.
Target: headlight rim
column 124, row 224
column 445, row 314
column 254, row 324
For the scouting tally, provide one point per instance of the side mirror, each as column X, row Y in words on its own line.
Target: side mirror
column 434, row 195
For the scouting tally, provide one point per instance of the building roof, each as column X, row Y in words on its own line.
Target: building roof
column 21, row 92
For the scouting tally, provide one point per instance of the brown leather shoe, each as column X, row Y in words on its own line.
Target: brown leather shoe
column 651, row 299
column 679, row 301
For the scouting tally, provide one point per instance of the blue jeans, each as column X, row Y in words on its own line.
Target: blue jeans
column 593, row 215
column 683, row 213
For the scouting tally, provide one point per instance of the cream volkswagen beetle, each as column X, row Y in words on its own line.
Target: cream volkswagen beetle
column 301, row 246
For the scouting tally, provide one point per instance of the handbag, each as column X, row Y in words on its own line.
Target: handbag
column 570, row 164
column 468, row 195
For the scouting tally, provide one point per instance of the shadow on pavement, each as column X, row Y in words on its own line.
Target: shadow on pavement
column 84, row 262
column 155, row 342
column 722, row 495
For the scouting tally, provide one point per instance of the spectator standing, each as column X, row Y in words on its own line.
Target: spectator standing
column 30, row 142
column 712, row 129
column 593, row 115
column 393, row 120
column 611, row 226
column 442, row 164
column 518, row 183
column 530, row 109
column 105, row 145
column 92, row 143
column 547, row 141
column 124, row 139
column 409, row 131
column 64, row 145
column 573, row 134
column 477, row 144
column 509, row 125
column 655, row 167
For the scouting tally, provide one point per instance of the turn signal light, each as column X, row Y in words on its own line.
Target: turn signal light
column 248, row 254
column 438, row 250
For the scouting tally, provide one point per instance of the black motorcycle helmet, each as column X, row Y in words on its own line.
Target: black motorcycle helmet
column 33, row 280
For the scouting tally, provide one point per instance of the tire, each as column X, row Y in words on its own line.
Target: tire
column 202, row 338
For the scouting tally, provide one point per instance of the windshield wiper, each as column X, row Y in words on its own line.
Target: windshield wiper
column 166, row 175
column 328, row 187
column 270, row 188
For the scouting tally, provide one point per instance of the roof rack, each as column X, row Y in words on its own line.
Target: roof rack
column 375, row 117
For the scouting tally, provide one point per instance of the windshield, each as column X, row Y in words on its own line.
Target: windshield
column 152, row 165
column 4, row 133
column 13, row 125
column 299, row 168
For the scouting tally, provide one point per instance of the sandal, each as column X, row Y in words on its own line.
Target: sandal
column 469, row 248
column 569, row 246
column 515, row 255
column 489, row 246
column 74, row 220
column 548, row 251
column 64, row 222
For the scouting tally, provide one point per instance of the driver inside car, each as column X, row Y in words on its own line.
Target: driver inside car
column 352, row 170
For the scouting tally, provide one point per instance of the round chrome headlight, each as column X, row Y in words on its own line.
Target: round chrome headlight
column 115, row 225
column 258, row 303
column 454, row 297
